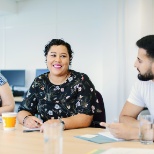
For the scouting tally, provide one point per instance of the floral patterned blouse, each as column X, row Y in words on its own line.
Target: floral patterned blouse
column 76, row 95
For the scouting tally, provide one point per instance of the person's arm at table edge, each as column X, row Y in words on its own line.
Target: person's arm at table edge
column 122, row 130
column 129, row 114
column 77, row 121
column 21, row 115
column 128, row 121
column 28, row 120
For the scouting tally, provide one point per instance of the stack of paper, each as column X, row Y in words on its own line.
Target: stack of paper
column 109, row 135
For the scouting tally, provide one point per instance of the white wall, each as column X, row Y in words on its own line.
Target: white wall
column 102, row 34
column 7, row 7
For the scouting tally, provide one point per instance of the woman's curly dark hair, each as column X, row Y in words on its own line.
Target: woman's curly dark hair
column 59, row 42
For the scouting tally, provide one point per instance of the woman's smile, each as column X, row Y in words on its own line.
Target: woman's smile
column 57, row 66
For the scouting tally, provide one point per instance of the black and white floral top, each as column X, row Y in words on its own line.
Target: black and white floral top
column 76, row 95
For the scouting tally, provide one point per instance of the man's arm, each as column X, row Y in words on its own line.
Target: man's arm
column 129, row 114
column 128, row 128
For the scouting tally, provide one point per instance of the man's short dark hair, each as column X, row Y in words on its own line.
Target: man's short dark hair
column 147, row 43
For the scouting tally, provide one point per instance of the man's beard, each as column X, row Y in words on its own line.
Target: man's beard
column 146, row 77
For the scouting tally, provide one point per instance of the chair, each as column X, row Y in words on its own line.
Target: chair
column 101, row 116
column 145, row 111
column 41, row 71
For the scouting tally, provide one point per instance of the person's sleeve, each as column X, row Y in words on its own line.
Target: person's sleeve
column 3, row 80
column 135, row 96
column 86, row 99
column 30, row 101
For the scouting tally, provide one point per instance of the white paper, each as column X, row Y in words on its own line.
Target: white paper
column 109, row 135
column 88, row 136
column 128, row 151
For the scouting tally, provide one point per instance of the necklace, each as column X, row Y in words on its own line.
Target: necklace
column 58, row 82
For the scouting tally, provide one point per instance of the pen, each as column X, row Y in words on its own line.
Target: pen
column 38, row 124
column 25, row 131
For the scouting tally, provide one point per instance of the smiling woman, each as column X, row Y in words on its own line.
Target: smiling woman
column 60, row 93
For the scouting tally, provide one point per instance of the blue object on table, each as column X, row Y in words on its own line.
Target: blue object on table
column 97, row 139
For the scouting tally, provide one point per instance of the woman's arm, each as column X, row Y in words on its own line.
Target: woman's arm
column 7, row 99
column 73, row 122
column 77, row 121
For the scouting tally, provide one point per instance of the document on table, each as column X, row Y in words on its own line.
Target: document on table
column 128, row 151
column 100, row 139
column 109, row 135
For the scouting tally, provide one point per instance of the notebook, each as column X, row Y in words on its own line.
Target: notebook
column 96, row 138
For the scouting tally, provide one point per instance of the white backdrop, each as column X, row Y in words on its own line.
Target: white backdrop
column 102, row 34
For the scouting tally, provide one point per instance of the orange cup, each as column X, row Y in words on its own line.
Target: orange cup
column 9, row 120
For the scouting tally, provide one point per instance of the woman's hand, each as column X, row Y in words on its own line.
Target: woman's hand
column 32, row 122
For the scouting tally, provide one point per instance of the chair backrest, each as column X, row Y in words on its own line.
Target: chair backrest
column 145, row 111
column 101, row 116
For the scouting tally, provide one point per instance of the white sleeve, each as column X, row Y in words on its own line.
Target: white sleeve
column 135, row 95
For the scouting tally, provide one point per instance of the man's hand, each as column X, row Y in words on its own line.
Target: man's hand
column 122, row 130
